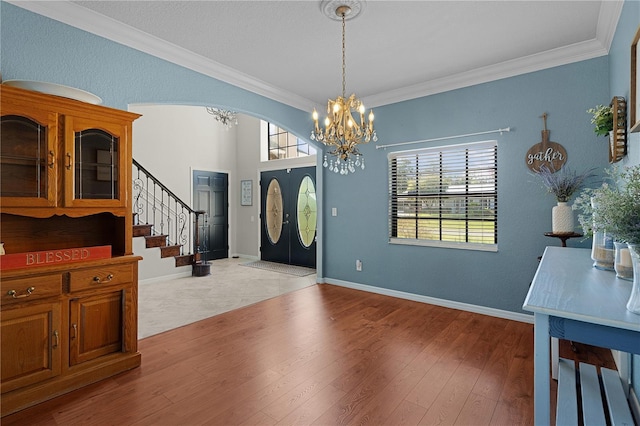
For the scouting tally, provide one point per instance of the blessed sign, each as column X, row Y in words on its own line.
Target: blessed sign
column 52, row 257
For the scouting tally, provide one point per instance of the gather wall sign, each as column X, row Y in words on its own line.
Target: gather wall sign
column 548, row 153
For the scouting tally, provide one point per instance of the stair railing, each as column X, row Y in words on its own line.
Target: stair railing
column 155, row 204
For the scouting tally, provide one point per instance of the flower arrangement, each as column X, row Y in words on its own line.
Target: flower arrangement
column 602, row 118
column 564, row 183
column 617, row 204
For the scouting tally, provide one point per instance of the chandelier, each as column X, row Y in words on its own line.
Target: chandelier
column 342, row 132
column 226, row 117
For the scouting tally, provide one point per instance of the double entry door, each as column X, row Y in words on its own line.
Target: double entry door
column 289, row 213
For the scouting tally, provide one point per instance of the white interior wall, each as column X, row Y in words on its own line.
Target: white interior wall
column 199, row 142
column 196, row 141
column 248, row 164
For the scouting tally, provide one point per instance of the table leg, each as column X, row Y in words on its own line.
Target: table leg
column 541, row 380
column 555, row 356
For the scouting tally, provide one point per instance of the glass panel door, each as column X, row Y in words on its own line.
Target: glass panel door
column 93, row 155
column 96, row 165
column 289, row 213
column 28, row 160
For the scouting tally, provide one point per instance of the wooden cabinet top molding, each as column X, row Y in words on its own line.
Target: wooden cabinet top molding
column 62, row 105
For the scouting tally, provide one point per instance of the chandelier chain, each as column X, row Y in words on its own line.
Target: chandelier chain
column 344, row 66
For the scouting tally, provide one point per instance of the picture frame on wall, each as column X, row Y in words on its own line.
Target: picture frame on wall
column 634, row 98
column 246, row 193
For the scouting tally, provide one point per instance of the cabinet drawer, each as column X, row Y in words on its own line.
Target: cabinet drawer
column 32, row 288
column 101, row 277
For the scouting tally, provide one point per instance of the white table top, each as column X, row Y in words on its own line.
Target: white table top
column 566, row 285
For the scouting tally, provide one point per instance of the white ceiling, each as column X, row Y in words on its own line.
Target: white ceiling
column 395, row 50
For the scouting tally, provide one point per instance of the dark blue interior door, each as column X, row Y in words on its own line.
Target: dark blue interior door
column 274, row 214
column 211, row 194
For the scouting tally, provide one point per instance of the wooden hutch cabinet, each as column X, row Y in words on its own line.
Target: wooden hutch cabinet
column 65, row 186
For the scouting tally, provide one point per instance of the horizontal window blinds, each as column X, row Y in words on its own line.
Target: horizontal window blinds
column 445, row 193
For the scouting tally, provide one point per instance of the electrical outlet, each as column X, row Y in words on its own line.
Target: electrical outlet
column 359, row 265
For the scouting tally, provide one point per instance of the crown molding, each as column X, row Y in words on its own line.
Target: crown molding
column 95, row 23
column 549, row 59
column 608, row 18
column 607, row 22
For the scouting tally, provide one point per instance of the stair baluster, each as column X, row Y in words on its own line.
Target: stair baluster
column 164, row 219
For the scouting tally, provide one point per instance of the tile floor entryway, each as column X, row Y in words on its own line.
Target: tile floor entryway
column 164, row 305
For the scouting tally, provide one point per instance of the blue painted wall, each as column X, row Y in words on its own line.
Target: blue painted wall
column 620, row 68
column 498, row 280
column 34, row 47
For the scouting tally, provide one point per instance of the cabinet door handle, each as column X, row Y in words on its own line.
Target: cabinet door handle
column 56, row 339
column 75, row 331
column 15, row 295
column 98, row 280
column 68, row 161
column 53, row 159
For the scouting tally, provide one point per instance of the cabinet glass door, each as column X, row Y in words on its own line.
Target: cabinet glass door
column 96, row 165
column 28, row 160
column 92, row 164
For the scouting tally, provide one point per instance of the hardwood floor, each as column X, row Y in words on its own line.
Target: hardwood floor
column 322, row 355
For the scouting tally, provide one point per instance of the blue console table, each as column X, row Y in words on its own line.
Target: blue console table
column 572, row 300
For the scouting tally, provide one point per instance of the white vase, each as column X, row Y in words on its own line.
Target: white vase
column 562, row 218
column 633, row 305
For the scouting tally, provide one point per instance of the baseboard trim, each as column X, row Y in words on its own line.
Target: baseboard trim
column 245, row 256
column 499, row 313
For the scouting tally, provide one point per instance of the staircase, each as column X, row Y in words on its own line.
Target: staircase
column 165, row 221
column 146, row 231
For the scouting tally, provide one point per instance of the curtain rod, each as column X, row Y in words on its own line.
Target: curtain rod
column 508, row 129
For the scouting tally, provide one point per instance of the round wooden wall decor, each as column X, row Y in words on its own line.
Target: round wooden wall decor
column 548, row 153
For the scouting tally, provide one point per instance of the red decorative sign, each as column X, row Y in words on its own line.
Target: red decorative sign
column 53, row 257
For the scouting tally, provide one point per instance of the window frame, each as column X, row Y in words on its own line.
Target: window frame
column 285, row 136
column 485, row 192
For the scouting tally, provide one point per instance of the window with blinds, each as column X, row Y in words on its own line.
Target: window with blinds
column 445, row 196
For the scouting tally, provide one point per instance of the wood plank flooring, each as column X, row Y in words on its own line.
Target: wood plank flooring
column 322, row 355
